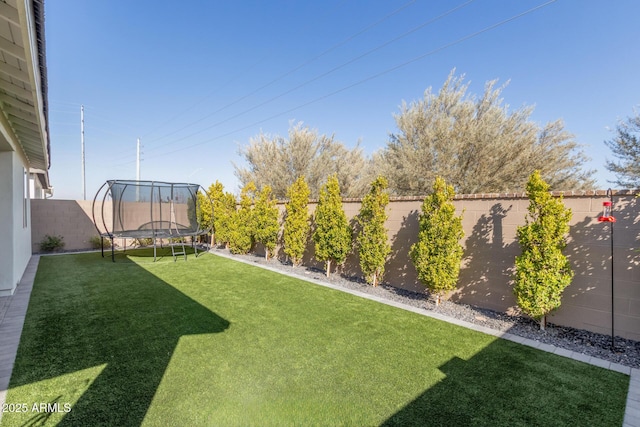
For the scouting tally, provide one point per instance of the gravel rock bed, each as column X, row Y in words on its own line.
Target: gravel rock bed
column 627, row 352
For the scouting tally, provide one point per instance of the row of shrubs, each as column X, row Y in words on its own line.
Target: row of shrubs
column 541, row 270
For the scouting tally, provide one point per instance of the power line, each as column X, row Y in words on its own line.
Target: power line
column 318, row 77
column 166, row 122
column 367, row 79
column 73, row 104
column 286, row 74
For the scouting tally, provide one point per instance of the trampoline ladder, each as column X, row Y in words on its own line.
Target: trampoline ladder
column 175, row 251
column 178, row 249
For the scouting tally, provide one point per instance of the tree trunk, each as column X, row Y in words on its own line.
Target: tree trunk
column 328, row 267
column 543, row 323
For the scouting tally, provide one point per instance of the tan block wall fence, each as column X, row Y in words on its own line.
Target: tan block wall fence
column 490, row 223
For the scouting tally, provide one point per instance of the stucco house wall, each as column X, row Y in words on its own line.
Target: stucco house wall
column 24, row 139
column 15, row 232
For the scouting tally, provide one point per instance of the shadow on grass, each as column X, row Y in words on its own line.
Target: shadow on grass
column 147, row 253
column 590, row 395
column 117, row 320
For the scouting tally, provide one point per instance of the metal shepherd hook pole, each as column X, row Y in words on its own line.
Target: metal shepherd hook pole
column 607, row 217
column 613, row 335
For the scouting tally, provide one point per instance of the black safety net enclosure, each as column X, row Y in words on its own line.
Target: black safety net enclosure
column 161, row 211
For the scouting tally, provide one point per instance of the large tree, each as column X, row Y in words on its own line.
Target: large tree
column 277, row 162
column 477, row 145
column 626, row 147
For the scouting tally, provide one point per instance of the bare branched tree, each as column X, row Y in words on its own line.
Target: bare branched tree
column 477, row 145
column 278, row 162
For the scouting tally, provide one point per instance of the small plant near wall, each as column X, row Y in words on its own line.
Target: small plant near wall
column 100, row 243
column 142, row 241
column 438, row 252
column 52, row 243
column 542, row 270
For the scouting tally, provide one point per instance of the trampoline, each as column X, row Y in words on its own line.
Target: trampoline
column 154, row 210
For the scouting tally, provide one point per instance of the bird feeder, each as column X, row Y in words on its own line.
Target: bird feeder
column 606, row 213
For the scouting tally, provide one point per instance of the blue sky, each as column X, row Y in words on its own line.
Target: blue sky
column 195, row 80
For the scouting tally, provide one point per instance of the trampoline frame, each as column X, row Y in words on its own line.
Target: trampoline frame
column 153, row 232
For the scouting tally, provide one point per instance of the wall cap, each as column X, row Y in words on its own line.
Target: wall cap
column 493, row 196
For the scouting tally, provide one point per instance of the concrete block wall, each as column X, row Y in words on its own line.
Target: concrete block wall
column 71, row 219
column 490, row 222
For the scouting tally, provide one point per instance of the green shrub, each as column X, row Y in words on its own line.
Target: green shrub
column 100, row 243
column 332, row 233
column 144, row 241
column 225, row 209
column 296, row 221
column 51, row 243
column 542, row 271
column 242, row 224
column 207, row 205
column 438, row 252
column 218, row 213
column 265, row 221
column 373, row 242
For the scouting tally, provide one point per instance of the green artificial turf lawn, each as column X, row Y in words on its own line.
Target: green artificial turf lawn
column 212, row 341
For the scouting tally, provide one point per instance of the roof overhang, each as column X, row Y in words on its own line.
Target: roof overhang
column 23, row 84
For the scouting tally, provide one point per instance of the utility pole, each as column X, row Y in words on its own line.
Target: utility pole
column 84, row 184
column 138, row 160
column 138, row 169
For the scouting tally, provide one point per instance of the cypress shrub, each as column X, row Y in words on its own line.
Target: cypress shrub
column 542, row 270
column 265, row 221
column 372, row 239
column 241, row 238
column 296, row 221
column 332, row 235
column 437, row 253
